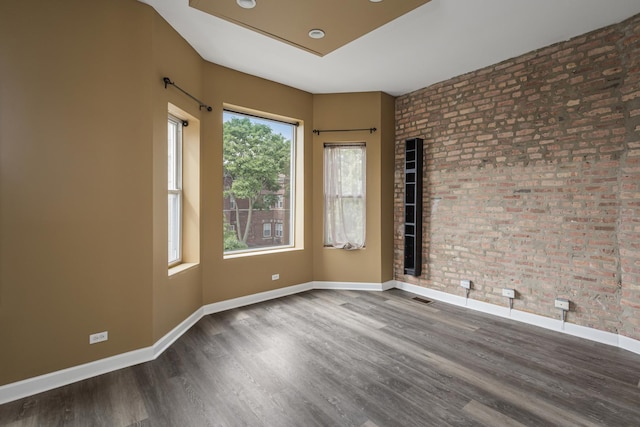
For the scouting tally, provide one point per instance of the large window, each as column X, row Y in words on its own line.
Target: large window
column 174, row 173
column 344, row 195
column 259, row 171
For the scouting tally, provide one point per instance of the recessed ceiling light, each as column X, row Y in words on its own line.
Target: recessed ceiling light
column 375, row 1
column 246, row 4
column 316, row 33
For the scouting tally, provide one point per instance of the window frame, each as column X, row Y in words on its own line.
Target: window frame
column 292, row 181
column 177, row 190
column 327, row 239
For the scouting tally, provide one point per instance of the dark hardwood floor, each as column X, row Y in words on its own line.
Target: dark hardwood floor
column 346, row 358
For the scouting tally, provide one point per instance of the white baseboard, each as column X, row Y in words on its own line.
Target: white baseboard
column 629, row 344
column 229, row 304
column 388, row 285
column 39, row 384
column 42, row 383
column 290, row 290
column 591, row 334
column 31, row 386
column 355, row 286
column 165, row 342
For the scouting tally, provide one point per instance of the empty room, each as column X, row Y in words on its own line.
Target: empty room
column 319, row 213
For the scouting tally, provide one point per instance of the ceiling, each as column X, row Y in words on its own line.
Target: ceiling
column 290, row 21
column 431, row 43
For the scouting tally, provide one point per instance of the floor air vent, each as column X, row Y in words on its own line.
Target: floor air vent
column 422, row 300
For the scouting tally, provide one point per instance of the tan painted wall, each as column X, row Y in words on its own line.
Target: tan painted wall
column 230, row 278
column 83, row 183
column 178, row 296
column 75, row 182
column 387, row 173
column 357, row 111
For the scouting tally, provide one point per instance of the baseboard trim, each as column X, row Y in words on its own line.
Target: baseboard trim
column 591, row 334
column 354, row 286
column 165, row 342
column 42, row 383
column 217, row 307
column 629, row 344
column 229, row 304
column 39, row 384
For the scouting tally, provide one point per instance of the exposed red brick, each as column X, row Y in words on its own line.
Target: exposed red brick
column 532, row 179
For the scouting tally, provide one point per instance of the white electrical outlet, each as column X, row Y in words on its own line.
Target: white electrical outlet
column 465, row 284
column 562, row 303
column 275, row 276
column 99, row 337
column 509, row 293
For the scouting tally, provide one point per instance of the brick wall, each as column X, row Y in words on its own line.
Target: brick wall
column 532, row 179
column 629, row 231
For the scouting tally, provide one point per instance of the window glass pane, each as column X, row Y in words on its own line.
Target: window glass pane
column 344, row 195
column 171, row 145
column 174, row 228
column 174, row 187
column 258, row 170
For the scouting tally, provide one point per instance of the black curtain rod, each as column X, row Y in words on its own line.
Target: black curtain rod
column 167, row 81
column 317, row 131
column 345, row 144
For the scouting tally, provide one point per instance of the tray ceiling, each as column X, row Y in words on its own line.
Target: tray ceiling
column 290, row 21
column 430, row 43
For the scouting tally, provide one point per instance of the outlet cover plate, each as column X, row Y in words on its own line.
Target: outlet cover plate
column 465, row 284
column 509, row 293
column 562, row 303
column 98, row 337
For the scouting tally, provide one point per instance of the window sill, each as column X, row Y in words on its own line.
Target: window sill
column 261, row 252
column 343, row 249
column 182, row 267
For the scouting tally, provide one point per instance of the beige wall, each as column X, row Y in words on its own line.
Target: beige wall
column 83, row 173
column 174, row 297
column 83, row 183
column 75, row 182
column 230, row 278
column 387, row 172
column 357, row 111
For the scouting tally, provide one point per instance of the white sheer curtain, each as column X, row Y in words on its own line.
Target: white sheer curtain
column 345, row 195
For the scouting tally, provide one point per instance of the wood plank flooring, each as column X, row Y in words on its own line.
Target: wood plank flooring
column 347, row 358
